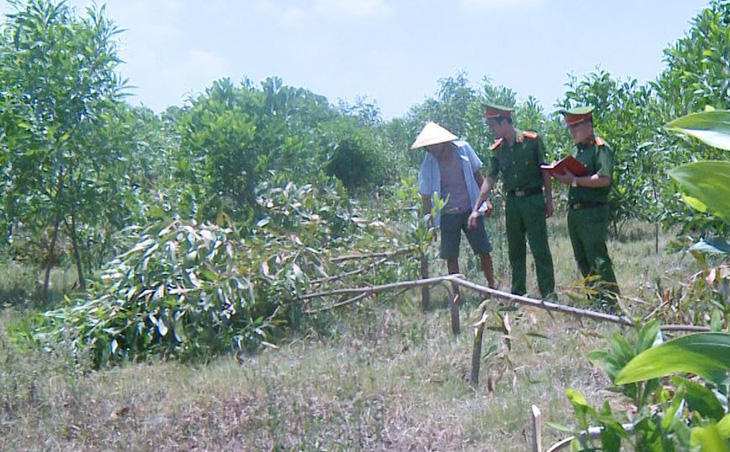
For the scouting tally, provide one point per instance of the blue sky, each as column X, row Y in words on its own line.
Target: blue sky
column 392, row 52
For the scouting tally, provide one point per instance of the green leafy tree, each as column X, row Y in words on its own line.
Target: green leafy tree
column 696, row 77
column 60, row 88
column 192, row 291
column 237, row 137
column 218, row 133
column 697, row 65
column 353, row 155
column 450, row 106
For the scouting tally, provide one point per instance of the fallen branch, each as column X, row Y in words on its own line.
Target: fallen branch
column 351, row 273
column 578, row 312
column 386, row 254
column 382, row 288
column 458, row 280
column 338, row 304
column 348, row 301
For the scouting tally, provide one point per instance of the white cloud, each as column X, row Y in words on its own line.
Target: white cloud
column 291, row 16
column 285, row 15
column 491, row 5
column 288, row 15
column 353, row 8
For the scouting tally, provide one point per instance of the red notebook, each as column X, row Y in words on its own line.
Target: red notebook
column 569, row 163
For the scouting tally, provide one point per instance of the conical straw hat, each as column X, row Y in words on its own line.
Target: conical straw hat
column 433, row 133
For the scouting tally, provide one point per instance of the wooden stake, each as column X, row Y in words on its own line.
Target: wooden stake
column 536, row 425
column 425, row 291
column 476, row 353
column 454, row 305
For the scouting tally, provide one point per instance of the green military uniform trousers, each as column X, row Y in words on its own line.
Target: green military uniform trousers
column 588, row 228
column 526, row 216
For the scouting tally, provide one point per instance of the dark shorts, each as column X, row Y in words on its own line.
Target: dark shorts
column 451, row 226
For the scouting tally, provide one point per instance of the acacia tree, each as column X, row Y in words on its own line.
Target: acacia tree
column 240, row 136
column 352, row 154
column 218, row 134
column 58, row 75
column 697, row 77
column 698, row 65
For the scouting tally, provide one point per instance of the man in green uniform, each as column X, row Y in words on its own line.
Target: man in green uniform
column 518, row 155
column 588, row 207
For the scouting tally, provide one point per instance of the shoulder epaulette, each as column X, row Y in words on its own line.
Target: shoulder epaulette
column 530, row 134
column 600, row 142
column 496, row 144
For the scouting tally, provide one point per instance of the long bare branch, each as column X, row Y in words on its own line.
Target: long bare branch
column 541, row 304
column 387, row 254
column 382, row 288
column 549, row 306
column 351, row 273
column 338, row 304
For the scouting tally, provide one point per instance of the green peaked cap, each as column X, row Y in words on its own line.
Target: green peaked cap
column 497, row 111
column 498, row 107
column 576, row 115
column 577, row 111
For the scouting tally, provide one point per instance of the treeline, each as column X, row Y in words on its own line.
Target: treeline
column 79, row 164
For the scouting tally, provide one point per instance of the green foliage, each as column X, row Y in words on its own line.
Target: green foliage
column 697, row 65
column 612, row 432
column 177, row 292
column 707, row 186
column 702, row 354
column 219, row 134
column 695, row 79
column 236, row 137
column 66, row 150
column 704, row 186
column 712, row 127
column 191, row 291
column 705, row 183
column 622, row 352
column 355, row 158
column 451, row 106
column 677, row 414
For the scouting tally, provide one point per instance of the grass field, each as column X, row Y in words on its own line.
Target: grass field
column 391, row 378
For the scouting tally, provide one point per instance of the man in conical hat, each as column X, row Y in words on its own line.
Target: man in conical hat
column 451, row 170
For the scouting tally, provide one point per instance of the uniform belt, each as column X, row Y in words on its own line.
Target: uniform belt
column 456, row 210
column 585, row 205
column 525, row 192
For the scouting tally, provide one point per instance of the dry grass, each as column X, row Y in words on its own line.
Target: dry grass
column 393, row 378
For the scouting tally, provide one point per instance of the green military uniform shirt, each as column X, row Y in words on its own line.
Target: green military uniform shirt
column 519, row 164
column 598, row 157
